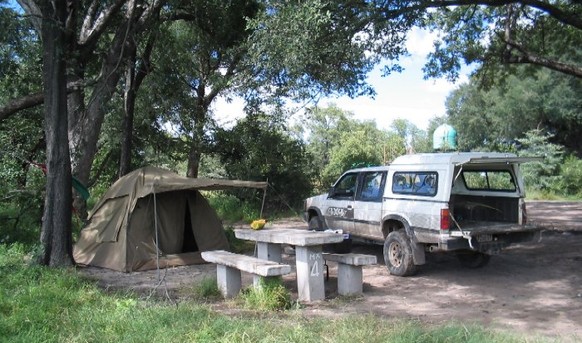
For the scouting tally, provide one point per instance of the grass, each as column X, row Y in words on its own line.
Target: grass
column 271, row 295
column 39, row 304
column 206, row 290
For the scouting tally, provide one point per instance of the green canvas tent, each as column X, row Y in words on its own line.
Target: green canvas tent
column 153, row 217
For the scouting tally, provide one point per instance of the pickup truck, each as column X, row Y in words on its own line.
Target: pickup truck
column 471, row 204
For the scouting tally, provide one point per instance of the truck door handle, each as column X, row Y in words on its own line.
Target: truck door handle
column 349, row 206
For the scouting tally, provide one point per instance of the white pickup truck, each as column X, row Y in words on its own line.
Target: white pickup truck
column 468, row 203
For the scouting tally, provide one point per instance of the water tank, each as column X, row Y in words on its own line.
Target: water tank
column 444, row 138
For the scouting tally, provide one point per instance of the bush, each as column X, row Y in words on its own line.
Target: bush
column 571, row 177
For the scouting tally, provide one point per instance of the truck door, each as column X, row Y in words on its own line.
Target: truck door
column 339, row 213
column 368, row 205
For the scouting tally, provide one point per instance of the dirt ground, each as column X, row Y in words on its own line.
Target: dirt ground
column 533, row 289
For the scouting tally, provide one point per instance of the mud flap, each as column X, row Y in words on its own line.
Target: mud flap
column 418, row 254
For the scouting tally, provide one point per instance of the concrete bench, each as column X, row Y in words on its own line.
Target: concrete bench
column 349, row 271
column 229, row 266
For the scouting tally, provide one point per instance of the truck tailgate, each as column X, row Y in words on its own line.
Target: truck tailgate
column 475, row 228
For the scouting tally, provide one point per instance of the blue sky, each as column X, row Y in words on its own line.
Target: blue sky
column 400, row 95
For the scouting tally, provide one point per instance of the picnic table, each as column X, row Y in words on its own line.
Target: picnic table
column 308, row 246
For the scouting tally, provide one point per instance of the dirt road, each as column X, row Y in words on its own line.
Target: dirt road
column 534, row 289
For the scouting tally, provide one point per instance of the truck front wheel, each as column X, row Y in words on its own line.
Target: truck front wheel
column 473, row 259
column 398, row 254
column 314, row 224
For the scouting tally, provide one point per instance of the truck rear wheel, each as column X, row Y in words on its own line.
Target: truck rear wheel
column 473, row 259
column 398, row 254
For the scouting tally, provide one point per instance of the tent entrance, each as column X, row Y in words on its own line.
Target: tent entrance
column 189, row 241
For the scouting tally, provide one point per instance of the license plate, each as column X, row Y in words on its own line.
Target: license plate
column 484, row 238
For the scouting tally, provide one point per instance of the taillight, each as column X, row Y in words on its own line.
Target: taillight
column 445, row 219
column 523, row 214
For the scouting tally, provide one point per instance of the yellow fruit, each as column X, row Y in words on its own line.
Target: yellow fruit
column 258, row 224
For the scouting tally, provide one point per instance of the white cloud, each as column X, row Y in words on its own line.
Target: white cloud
column 419, row 42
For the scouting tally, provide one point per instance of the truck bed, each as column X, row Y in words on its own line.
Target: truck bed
column 466, row 209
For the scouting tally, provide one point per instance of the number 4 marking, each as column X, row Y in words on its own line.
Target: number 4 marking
column 315, row 269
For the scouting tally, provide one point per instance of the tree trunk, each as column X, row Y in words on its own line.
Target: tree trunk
column 196, row 147
column 86, row 121
column 56, row 237
column 128, row 115
column 134, row 76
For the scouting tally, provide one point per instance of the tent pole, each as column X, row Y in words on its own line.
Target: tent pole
column 264, row 196
column 157, row 239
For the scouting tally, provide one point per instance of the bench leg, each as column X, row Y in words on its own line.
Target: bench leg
column 349, row 279
column 229, row 280
column 269, row 252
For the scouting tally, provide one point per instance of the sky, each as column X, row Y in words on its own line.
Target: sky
column 404, row 95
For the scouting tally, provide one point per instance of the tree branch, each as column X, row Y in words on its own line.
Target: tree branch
column 22, row 103
column 531, row 58
column 571, row 18
column 28, row 101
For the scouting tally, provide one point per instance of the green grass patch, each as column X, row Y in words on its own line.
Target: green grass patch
column 271, row 295
column 39, row 304
column 207, row 290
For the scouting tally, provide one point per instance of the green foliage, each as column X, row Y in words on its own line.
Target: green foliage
column 270, row 295
column 227, row 206
column 238, row 245
column 571, row 177
column 416, row 140
column 232, row 209
column 493, row 118
column 337, row 142
column 496, row 38
column 257, row 148
column 21, row 202
column 363, row 145
column 309, row 48
column 541, row 175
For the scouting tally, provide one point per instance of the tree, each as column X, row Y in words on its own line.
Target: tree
column 506, row 110
column 96, row 37
column 541, row 175
column 56, row 237
column 364, row 145
column 202, row 57
column 416, row 140
column 492, row 33
column 257, row 148
column 322, row 128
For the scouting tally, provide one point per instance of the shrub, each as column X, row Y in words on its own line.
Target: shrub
column 571, row 177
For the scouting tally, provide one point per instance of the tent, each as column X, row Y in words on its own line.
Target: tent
column 153, row 218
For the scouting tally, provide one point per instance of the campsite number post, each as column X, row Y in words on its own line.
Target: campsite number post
column 310, row 273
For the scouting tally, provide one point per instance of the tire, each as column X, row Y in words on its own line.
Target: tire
column 473, row 259
column 398, row 254
column 315, row 224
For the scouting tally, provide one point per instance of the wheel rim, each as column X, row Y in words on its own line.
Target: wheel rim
column 395, row 254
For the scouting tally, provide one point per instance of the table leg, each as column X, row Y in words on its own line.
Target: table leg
column 310, row 282
column 269, row 251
